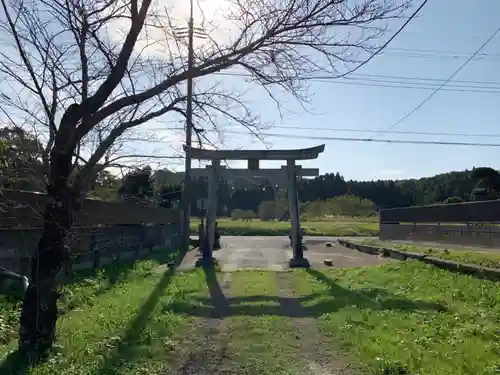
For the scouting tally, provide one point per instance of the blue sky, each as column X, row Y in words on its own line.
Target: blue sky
column 446, row 26
column 431, row 48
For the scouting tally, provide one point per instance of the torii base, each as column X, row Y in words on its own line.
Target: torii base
column 206, row 263
column 299, row 263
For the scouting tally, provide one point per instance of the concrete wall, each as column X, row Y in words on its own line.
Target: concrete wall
column 22, row 209
column 466, row 212
column 460, row 234
column 90, row 246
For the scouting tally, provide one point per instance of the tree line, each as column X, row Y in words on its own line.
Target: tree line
column 21, row 168
column 451, row 187
column 164, row 188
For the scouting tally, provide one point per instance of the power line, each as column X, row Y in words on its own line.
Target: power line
column 309, row 128
column 378, row 51
column 335, row 79
column 350, row 139
column 386, row 83
column 445, row 82
column 407, row 78
column 414, row 86
column 461, row 37
column 439, row 51
column 442, row 55
column 494, row 135
column 469, row 85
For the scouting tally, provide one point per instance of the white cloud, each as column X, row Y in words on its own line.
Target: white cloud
column 155, row 39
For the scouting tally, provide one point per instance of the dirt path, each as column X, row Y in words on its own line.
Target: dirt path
column 316, row 351
column 203, row 349
column 253, row 321
column 241, row 328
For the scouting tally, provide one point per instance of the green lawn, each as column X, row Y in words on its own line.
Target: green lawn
column 409, row 318
column 252, row 339
column 472, row 256
column 94, row 305
column 342, row 227
column 255, row 347
column 9, row 315
column 398, row 319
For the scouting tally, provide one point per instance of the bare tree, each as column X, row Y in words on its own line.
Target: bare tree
column 81, row 84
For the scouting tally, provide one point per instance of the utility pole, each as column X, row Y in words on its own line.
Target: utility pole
column 191, row 32
column 189, row 128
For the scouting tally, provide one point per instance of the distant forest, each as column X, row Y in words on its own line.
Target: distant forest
column 248, row 196
column 21, row 168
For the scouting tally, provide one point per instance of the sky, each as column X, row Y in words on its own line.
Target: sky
column 431, row 48
column 426, row 53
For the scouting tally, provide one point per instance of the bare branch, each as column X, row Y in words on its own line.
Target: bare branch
column 86, row 74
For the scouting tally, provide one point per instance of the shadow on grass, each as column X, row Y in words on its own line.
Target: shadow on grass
column 218, row 300
column 14, row 364
column 338, row 298
column 119, row 269
column 127, row 350
column 372, row 298
column 114, row 272
column 208, row 358
column 12, row 295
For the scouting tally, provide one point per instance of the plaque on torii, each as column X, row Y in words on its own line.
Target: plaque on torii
column 286, row 174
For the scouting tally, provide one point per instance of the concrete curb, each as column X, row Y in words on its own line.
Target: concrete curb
column 464, row 268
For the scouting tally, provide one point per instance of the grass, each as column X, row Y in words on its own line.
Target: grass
column 79, row 289
column 397, row 319
column 246, row 340
column 341, row 227
column 9, row 315
column 472, row 256
column 408, row 318
column 97, row 307
column 256, row 347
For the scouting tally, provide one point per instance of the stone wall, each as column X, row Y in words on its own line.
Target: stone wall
column 91, row 247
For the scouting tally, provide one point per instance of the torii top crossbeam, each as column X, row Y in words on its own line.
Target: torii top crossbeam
column 297, row 154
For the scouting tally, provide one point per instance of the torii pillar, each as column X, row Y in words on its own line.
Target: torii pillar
column 286, row 174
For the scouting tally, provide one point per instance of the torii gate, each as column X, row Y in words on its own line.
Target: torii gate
column 286, row 174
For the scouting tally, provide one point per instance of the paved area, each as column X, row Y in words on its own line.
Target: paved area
column 273, row 253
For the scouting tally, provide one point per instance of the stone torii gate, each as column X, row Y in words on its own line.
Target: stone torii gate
column 287, row 174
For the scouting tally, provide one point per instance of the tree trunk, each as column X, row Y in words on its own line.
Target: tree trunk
column 39, row 311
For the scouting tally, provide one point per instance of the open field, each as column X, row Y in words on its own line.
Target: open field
column 486, row 258
column 364, row 227
column 400, row 318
